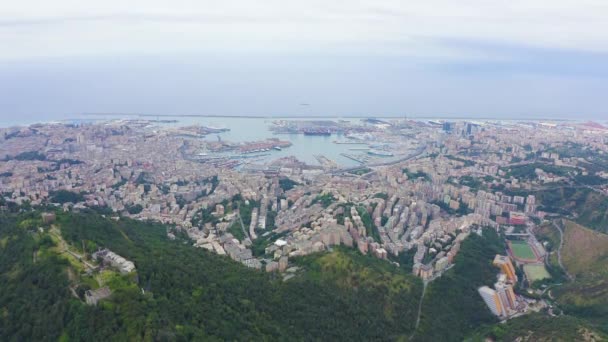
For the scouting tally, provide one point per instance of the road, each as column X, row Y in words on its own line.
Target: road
column 418, row 152
column 420, row 304
column 559, row 249
column 242, row 225
column 424, row 284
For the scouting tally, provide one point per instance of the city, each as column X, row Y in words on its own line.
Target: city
column 443, row 181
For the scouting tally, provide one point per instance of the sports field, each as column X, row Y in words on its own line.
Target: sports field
column 522, row 250
column 536, row 272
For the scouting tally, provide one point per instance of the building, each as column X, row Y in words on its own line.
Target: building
column 426, row 272
column 48, row 217
column 506, row 295
column 272, row 266
column 530, row 207
column 283, row 262
column 441, row 264
column 517, row 218
column 122, row 264
column 506, row 266
column 492, row 300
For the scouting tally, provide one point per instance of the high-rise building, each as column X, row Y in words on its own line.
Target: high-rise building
column 492, row 300
column 506, row 295
column 517, row 218
column 530, row 207
column 448, row 127
column 506, row 266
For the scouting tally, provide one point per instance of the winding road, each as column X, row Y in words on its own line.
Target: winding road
column 559, row 249
column 424, row 284
column 419, row 151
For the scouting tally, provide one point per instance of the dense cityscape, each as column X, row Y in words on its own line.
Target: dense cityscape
column 421, row 188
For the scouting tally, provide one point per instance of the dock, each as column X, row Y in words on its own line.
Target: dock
column 325, row 162
column 353, row 157
column 343, row 142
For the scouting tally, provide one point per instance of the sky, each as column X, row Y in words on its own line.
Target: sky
column 466, row 58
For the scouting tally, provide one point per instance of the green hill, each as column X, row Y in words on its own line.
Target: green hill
column 538, row 327
column 183, row 293
column 585, row 255
column 452, row 307
column 590, row 208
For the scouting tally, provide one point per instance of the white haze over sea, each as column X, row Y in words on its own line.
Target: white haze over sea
column 442, row 58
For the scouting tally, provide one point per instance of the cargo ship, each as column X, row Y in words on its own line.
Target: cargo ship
column 317, row 131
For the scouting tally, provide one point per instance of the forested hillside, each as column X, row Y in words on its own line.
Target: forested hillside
column 180, row 292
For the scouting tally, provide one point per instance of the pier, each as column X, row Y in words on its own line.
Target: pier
column 352, row 157
column 325, row 162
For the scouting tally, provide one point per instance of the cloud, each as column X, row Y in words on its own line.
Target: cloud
column 480, row 57
column 42, row 29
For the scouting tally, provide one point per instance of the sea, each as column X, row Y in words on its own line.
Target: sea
column 303, row 147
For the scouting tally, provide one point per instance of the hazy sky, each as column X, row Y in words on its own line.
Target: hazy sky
column 433, row 57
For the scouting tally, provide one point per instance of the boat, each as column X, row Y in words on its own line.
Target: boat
column 380, row 153
column 317, row 131
column 278, row 148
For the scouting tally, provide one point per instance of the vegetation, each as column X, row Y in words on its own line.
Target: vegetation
column 585, row 256
column 34, row 296
column 466, row 162
column 522, row 250
column 583, row 205
column 287, row 184
column 591, row 208
column 236, row 230
column 595, row 160
column 370, row 228
column 270, row 219
column 405, row 259
column 325, row 200
column 585, row 251
column 373, row 284
column 258, row 246
column 144, row 178
column 463, row 208
column 383, row 220
column 30, row 156
column 590, row 180
column 346, row 212
column 191, row 294
column 527, row 171
column 361, row 171
column 472, row 182
column 536, row 272
column 246, row 208
column 65, row 196
column 57, row 164
column 118, row 184
column 539, row 327
column 452, row 308
column 416, row 175
column 204, row 216
column 134, row 209
column 382, row 195
column 214, row 183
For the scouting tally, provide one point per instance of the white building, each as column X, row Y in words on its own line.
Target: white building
column 492, row 300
